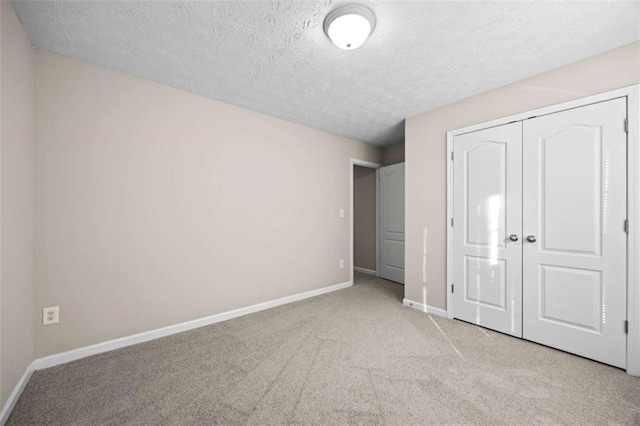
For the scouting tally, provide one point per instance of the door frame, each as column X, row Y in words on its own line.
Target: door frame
column 633, row 202
column 370, row 165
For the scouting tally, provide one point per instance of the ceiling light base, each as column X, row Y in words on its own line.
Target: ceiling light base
column 349, row 26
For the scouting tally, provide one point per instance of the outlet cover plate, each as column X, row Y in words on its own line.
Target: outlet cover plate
column 50, row 315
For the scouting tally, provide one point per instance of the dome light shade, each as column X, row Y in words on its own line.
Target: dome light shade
column 349, row 26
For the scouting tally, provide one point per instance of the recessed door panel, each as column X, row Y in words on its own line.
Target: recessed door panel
column 571, row 161
column 574, row 265
column 485, row 282
column 393, row 183
column 394, row 254
column 571, row 296
column 485, row 181
column 487, row 210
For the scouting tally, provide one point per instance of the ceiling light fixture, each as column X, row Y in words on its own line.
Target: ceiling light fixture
column 349, row 26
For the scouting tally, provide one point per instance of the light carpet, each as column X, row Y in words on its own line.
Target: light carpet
column 355, row 356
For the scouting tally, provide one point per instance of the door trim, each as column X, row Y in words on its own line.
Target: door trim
column 633, row 202
column 371, row 165
column 633, row 240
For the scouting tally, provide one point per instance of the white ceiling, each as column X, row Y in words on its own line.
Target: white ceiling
column 273, row 57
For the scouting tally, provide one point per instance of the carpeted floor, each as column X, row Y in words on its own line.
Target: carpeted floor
column 355, row 356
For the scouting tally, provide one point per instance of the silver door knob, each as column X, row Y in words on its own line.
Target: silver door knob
column 531, row 238
column 513, row 237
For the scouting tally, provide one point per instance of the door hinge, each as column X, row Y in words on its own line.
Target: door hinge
column 451, row 288
column 626, row 226
column 451, row 155
column 626, row 327
column 626, row 125
column 451, row 221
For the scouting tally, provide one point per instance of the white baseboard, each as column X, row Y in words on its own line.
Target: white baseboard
column 15, row 395
column 365, row 270
column 72, row 355
column 424, row 308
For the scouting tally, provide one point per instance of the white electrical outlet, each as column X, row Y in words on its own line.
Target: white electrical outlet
column 50, row 315
column 341, row 213
column 341, row 263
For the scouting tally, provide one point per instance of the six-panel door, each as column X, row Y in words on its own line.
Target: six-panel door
column 574, row 276
column 487, row 264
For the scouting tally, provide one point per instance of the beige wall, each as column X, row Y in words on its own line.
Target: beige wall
column 16, row 198
column 393, row 154
column 364, row 217
column 156, row 206
column 426, row 151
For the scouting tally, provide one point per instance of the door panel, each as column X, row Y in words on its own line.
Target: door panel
column 485, row 176
column 561, row 175
column 487, row 209
column 394, row 254
column 571, row 296
column 485, row 283
column 574, row 274
column 391, row 263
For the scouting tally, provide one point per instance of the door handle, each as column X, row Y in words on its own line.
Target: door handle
column 531, row 238
column 513, row 237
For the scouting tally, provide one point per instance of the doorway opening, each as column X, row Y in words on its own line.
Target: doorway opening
column 364, row 217
column 364, row 220
column 377, row 220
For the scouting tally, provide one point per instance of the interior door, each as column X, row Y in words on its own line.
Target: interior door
column 574, row 180
column 487, row 245
column 391, row 247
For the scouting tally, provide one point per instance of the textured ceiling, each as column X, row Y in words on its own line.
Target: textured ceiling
column 273, row 57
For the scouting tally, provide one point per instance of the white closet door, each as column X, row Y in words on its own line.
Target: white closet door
column 487, row 264
column 574, row 180
column 391, row 232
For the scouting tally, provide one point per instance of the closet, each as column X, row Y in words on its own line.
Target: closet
column 539, row 229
